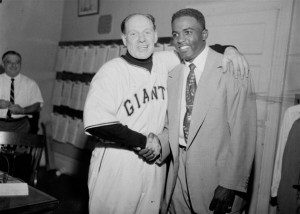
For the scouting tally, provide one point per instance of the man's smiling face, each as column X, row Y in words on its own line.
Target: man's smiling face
column 12, row 65
column 139, row 37
column 189, row 37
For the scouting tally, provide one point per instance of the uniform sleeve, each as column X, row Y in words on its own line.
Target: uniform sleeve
column 101, row 107
column 170, row 58
column 220, row 48
column 102, row 99
column 241, row 110
column 119, row 133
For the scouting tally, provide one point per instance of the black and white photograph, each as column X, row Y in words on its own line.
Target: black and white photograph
column 150, row 106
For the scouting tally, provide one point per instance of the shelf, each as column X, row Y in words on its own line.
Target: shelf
column 65, row 110
column 162, row 40
column 65, row 75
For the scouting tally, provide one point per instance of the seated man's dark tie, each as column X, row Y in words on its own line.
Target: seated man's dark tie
column 12, row 96
column 191, row 87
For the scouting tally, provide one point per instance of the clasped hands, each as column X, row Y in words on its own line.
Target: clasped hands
column 14, row 108
column 152, row 150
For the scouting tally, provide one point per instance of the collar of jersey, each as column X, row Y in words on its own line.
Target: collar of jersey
column 144, row 63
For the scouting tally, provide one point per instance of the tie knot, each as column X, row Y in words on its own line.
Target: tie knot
column 12, row 79
column 192, row 66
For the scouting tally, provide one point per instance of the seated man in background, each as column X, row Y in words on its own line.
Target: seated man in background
column 20, row 96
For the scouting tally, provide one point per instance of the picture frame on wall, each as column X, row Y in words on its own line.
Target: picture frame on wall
column 88, row 7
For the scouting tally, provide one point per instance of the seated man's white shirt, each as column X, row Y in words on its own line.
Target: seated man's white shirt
column 26, row 92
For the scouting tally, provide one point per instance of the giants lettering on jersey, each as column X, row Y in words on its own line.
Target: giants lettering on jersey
column 158, row 92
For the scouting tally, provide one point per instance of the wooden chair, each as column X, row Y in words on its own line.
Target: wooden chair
column 26, row 148
column 49, row 155
column 34, row 122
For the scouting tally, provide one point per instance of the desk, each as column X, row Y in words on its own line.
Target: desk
column 36, row 202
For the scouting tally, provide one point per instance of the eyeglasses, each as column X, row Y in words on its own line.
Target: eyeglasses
column 12, row 63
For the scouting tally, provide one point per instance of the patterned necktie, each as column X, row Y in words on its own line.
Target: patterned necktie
column 191, row 87
column 12, row 96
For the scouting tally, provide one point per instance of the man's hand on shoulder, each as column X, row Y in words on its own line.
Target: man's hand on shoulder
column 235, row 62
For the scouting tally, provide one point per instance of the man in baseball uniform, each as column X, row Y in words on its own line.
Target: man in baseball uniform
column 126, row 101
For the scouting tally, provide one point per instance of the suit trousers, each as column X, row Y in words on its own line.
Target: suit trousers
column 181, row 203
column 21, row 125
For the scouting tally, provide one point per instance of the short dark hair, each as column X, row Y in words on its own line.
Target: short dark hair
column 192, row 13
column 11, row 53
column 149, row 16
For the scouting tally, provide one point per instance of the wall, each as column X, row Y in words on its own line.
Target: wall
column 85, row 28
column 33, row 28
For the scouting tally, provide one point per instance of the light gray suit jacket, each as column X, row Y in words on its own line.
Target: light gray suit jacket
column 222, row 136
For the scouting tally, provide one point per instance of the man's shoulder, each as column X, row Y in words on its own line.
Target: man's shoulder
column 215, row 54
column 114, row 62
column 214, row 60
column 168, row 55
column 176, row 70
column 111, row 65
column 113, row 68
column 25, row 78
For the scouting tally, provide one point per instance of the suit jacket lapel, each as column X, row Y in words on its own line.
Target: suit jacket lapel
column 174, row 107
column 205, row 94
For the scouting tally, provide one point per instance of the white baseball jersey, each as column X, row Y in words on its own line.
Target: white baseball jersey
column 120, row 92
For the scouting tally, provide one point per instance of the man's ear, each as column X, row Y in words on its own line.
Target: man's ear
column 1, row 69
column 155, row 37
column 123, row 36
column 204, row 34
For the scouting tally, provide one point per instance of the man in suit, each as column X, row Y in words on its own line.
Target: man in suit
column 212, row 127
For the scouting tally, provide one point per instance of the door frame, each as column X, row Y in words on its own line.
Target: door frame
column 274, row 97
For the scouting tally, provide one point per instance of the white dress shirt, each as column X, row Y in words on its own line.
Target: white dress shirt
column 26, row 92
column 199, row 62
column 290, row 116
